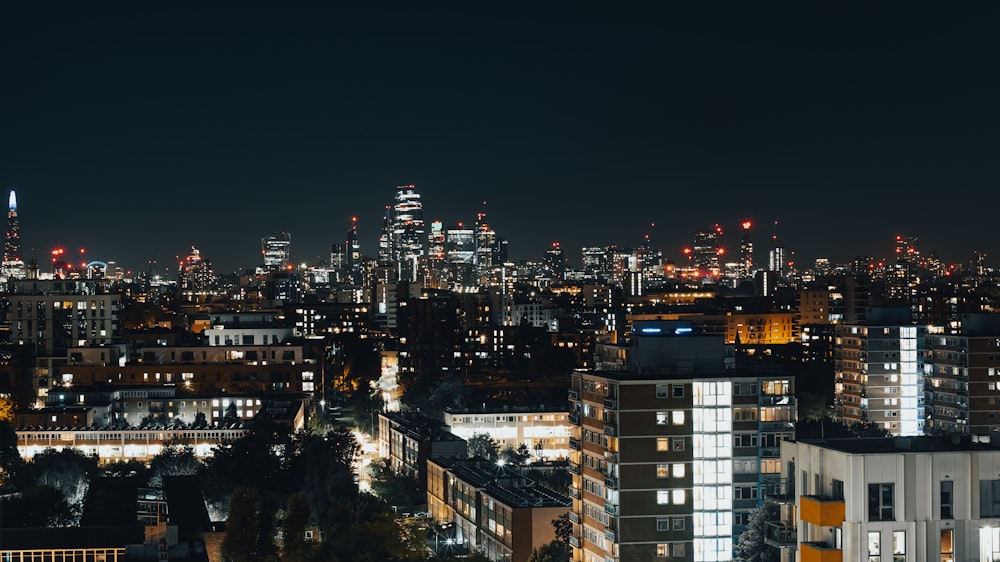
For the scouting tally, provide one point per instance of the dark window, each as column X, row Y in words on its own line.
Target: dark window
column 989, row 498
column 947, row 499
column 880, row 502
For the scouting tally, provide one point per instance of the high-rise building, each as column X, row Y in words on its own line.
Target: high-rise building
column 960, row 374
column 746, row 251
column 487, row 250
column 352, row 254
column 671, row 445
column 554, row 262
column 706, row 253
column 777, row 257
column 276, row 249
column 195, row 280
column 408, row 238
column 13, row 263
column 879, row 376
column 460, row 244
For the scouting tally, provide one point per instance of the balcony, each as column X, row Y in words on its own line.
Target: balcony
column 574, row 419
column 573, row 468
column 574, row 444
column 610, row 403
column 574, row 542
column 781, row 535
column 774, row 399
column 611, row 456
column 822, row 511
column 609, row 534
column 574, row 517
column 611, row 430
column 574, row 395
column 611, row 482
column 820, row 552
column 611, row 508
column 574, row 493
column 781, row 491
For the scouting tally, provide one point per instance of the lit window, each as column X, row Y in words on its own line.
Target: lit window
column 678, row 497
column 663, row 497
column 874, row 546
column 661, row 550
column 899, row 546
column 662, row 471
column 947, row 545
column 678, row 470
column 678, row 417
column 662, row 444
column 661, row 417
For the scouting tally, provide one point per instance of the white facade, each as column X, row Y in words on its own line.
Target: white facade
column 902, row 501
column 546, row 434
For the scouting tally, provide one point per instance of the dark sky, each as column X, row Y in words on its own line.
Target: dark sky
column 138, row 130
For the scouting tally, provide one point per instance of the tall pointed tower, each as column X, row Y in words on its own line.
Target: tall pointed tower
column 13, row 265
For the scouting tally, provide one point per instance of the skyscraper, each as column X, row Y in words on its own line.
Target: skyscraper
column 13, row 265
column 276, row 249
column 746, row 250
column 407, row 239
column 352, row 261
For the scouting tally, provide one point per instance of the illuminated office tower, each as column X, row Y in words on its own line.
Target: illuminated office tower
column 460, row 244
column 487, row 250
column 706, row 253
column 352, row 255
column 13, row 264
column 385, row 248
column 777, row 257
column 276, row 249
column 746, row 250
column 195, row 280
column 595, row 261
column 554, row 261
column 408, row 237
column 436, row 241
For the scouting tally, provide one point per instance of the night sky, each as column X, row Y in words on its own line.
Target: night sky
column 137, row 131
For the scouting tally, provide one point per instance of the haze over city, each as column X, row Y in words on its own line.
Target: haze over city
column 137, row 132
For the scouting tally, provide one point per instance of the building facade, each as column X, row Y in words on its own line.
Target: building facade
column 909, row 499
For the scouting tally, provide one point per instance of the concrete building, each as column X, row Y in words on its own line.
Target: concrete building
column 544, row 432
column 408, row 441
column 491, row 508
column 672, row 446
column 879, row 376
column 909, row 499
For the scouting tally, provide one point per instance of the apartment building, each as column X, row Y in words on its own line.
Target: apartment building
column 672, row 446
column 908, row 499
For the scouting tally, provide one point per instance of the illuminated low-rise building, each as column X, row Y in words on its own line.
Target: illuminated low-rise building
column 492, row 508
column 544, row 432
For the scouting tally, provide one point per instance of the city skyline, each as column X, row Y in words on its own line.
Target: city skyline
column 138, row 132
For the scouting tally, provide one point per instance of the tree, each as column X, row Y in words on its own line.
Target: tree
column 293, row 529
column 517, row 456
column 173, row 460
column 394, row 487
column 200, row 421
column 482, row 445
column 322, row 468
column 564, row 528
column 257, row 460
column 68, row 471
column 554, row 551
column 231, row 416
column 241, row 527
column 10, row 458
column 7, row 408
column 37, row 506
column 751, row 546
